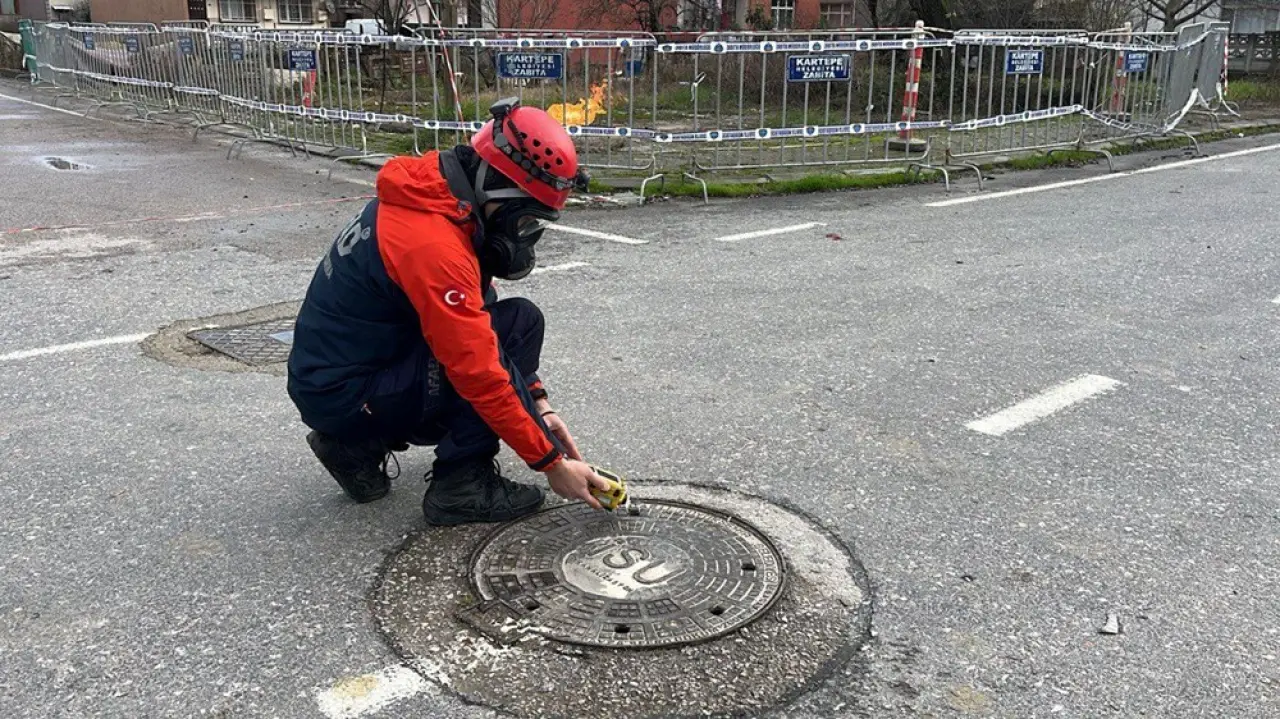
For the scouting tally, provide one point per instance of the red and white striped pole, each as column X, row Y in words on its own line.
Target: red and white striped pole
column 911, row 96
column 1226, row 61
column 308, row 88
column 448, row 64
column 1120, row 83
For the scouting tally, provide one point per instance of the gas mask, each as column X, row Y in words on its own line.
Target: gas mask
column 511, row 233
column 512, row 230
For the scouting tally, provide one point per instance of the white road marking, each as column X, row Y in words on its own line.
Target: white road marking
column 73, row 347
column 1100, row 178
column 559, row 268
column 356, row 696
column 598, row 235
column 47, row 107
column 1043, row 404
column 767, row 233
column 1276, row 300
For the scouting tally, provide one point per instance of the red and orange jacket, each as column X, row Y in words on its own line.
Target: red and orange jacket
column 406, row 271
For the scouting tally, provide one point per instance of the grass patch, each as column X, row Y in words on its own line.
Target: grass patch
column 812, row 183
column 395, row 144
column 1062, row 158
column 1254, row 92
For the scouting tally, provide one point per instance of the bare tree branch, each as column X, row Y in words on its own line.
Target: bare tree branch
column 1197, row 12
column 534, row 14
column 1170, row 12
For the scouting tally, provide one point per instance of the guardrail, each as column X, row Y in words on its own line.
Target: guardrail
column 639, row 104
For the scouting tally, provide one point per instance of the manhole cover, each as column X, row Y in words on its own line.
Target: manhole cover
column 458, row 606
column 671, row 574
column 61, row 163
column 256, row 344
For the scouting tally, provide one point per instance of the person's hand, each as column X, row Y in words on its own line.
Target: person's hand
column 561, row 431
column 573, row 479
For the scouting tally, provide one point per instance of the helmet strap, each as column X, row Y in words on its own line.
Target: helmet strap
column 511, row 193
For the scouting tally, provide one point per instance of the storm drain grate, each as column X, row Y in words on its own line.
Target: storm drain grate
column 257, row 344
column 669, row 574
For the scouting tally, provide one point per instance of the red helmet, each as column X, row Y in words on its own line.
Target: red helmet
column 531, row 149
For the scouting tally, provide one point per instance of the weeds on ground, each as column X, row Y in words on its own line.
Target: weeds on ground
column 813, row 183
column 1254, row 92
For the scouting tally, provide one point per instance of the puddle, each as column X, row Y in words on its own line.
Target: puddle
column 61, row 163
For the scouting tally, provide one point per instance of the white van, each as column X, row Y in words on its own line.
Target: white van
column 365, row 27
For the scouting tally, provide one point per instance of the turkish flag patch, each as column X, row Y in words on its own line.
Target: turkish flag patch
column 454, row 296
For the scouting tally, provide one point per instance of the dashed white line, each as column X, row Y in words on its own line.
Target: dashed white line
column 354, row 697
column 73, row 347
column 1099, row 178
column 559, row 268
column 598, row 235
column 767, row 233
column 1276, row 301
column 47, row 107
column 1043, row 404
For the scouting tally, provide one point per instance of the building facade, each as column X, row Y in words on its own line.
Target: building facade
column 263, row 13
column 1252, row 16
column 30, row 9
column 655, row 16
column 675, row 15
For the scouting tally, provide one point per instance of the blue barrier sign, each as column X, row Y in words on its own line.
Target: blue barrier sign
column 132, row 44
column 236, row 49
column 1136, row 61
column 300, row 59
column 1024, row 62
column 817, row 68
column 88, row 40
column 531, row 65
column 186, row 45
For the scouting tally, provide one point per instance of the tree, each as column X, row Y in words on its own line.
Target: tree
column 1172, row 13
column 653, row 16
column 1104, row 14
column 390, row 14
column 934, row 13
column 534, row 14
column 647, row 15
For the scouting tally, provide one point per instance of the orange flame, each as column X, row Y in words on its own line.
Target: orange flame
column 583, row 112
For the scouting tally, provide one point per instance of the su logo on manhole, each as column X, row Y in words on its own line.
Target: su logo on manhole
column 624, row 567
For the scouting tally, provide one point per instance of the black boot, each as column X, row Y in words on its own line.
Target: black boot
column 359, row 467
column 475, row 491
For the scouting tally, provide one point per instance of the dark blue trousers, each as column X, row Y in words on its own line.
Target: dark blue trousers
column 412, row 401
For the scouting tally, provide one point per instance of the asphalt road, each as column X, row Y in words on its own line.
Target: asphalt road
column 171, row 549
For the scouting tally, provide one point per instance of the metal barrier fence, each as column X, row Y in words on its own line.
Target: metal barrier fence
column 718, row 102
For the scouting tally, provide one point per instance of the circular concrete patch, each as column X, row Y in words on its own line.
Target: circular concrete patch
column 488, row 652
column 173, row 345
